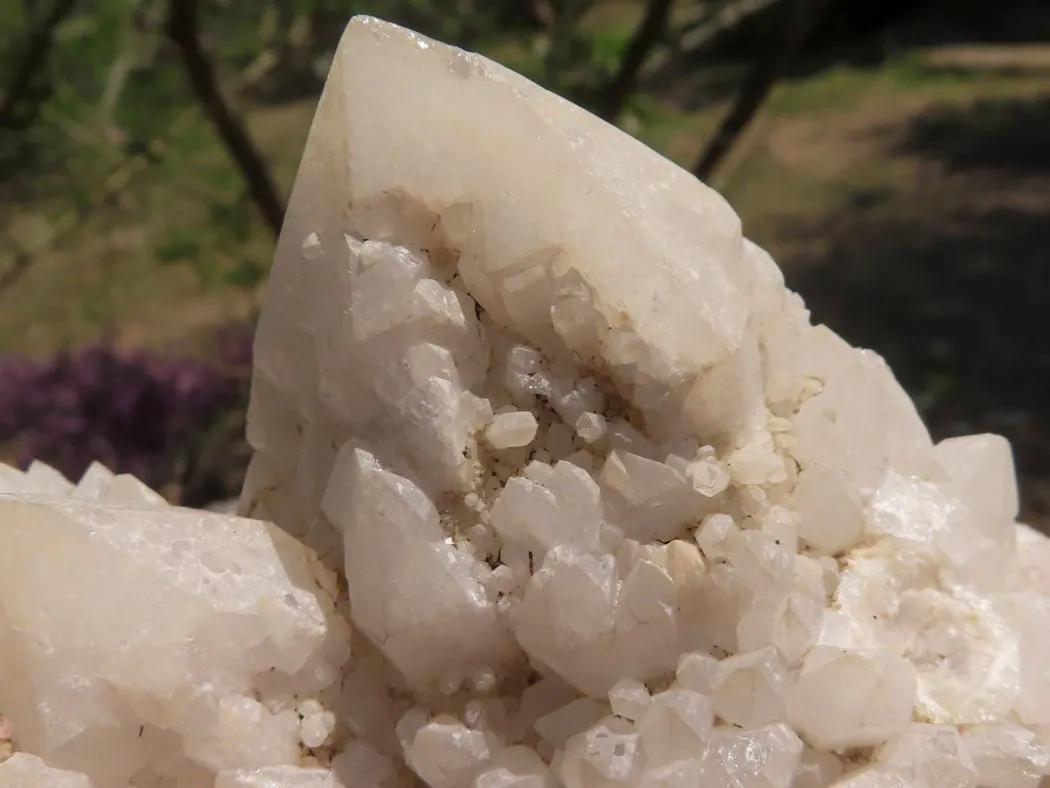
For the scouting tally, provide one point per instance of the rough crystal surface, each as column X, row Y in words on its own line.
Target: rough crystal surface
column 277, row 777
column 22, row 770
column 600, row 507
column 144, row 642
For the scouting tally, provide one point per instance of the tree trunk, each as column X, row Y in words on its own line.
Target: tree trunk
column 35, row 59
column 183, row 30
column 650, row 32
column 804, row 16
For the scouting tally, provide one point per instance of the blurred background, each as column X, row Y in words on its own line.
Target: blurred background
column 892, row 155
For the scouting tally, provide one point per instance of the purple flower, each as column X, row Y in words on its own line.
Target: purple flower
column 130, row 410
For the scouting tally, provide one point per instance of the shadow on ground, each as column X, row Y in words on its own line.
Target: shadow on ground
column 1008, row 136
column 950, row 279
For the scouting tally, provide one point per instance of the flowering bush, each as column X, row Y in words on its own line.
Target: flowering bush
column 132, row 411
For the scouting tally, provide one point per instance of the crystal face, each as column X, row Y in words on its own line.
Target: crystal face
column 554, row 484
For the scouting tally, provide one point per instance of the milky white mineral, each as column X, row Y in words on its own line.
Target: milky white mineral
column 574, row 494
column 524, row 381
column 28, row 771
column 278, row 777
column 140, row 643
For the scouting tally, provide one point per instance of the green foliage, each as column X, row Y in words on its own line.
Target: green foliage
column 605, row 49
column 118, row 121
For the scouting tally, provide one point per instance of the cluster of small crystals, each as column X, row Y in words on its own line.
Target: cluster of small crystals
column 149, row 646
column 829, row 599
column 609, row 509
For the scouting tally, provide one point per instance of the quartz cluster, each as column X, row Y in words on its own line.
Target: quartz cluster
column 147, row 645
column 600, row 508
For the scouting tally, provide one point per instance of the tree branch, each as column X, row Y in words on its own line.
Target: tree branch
column 37, row 51
column 804, row 17
column 648, row 34
column 184, row 31
column 116, row 80
column 726, row 17
column 564, row 26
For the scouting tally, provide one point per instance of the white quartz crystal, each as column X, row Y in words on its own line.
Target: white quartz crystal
column 847, row 697
column 603, row 477
column 22, row 770
column 138, row 637
column 629, row 699
column 509, row 430
column 278, row 777
column 565, row 490
column 315, row 729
